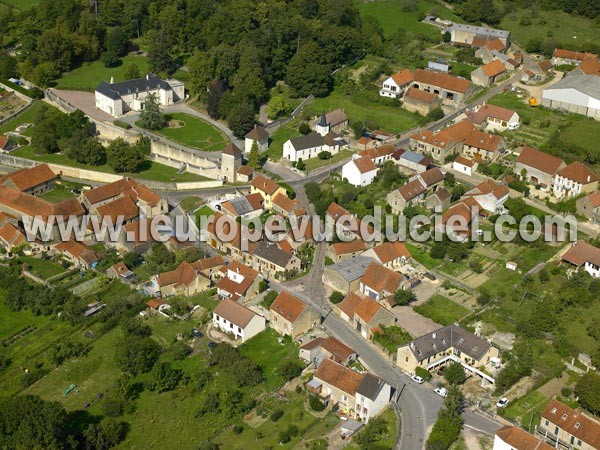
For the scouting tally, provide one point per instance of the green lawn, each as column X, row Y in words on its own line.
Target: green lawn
column 442, row 310
column 279, row 137
column 315, row 163
column 194, row 132
column 265, row 350
column 25, row 117
column 392, row 337
column 388, row 439
column 153, row 171
column 14, row 322
column 58, row 194
column 422, row 256
column 43, row 267
column 533, row 401
column 570, row 30
column 23, row 5
column 89, row 75
column 191, row 203
column 359, row 108
column 392, row 14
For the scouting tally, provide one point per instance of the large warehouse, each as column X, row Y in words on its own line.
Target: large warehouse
column 576, row 93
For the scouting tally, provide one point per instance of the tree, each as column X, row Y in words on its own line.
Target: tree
column 164, row 377
column 300, row 164
column 404, row 297
column 304, row 128
column 104, row 435
column 306, row 74
column 151, row 117
column 276, row 107
column 109, row 59
column 216, row 89
column 116, row 41
column 455, row 374
column 122, row 157
column 446, row 37
column 159, row 57
column 136, row 354
column 324, row 155
column 254, row 156
column 30, row 422
column 435, row 114
column 289, row 370
column 336, row 297
column 241, row 119
column 8, row 66
column 132, row 72
column 588, row 391
column 180, row 350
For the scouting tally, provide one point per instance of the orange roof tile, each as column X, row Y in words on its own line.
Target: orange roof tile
column 381, row 279
column 494, row 68
column 122, row 206
column 12, row 235
column 367, row 309
column 377, row 152
column 285, row 203
column 184, row 274
column 265, row 185
column 539, row 160
column 520, row 439
column 77, row 250
column 582, row 252
column 288, row 306
column 575, row 423
column 25, row 179
column 155, row 303
column 341, row 377
column 578, row 172
column 570, row 54
column 350, row 303
column 32, row 206
column 484, row 141
column 364, row 164
column 594, row 199
column 390, row 251
column 495, row 44
column 442, row 80
column 343, row 248
column 126, row 187
column 464, row 161
column 421, row 96
column 403, row 77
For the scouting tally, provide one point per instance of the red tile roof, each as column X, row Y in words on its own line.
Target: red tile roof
column 570, row 54
column 235, row 313
column 264, row 184
column 520, row 439
column 377, row 152
column 77, row 250
column 184, row 274
column 285, row 203
column 126, row 187
column 494, row 68
column 367, row 309
column 122, row 206
column 573, row 422
column 421, row 96
column 343, row 248
column 578, row 172
column 494, row 44
column 232, row 287
column 484, row 141
column 155, row 303
column 25, row 179
column 442, row 80
column 411, row 189
column 341, row 377
column 464, row 161
column 257, row 133
column 32, row 206
column 288, row 306
column 539, row 160
column 496, row 112
column 590, row 66
column 12, row 235
column 364, row 164
column 594, row 199
column 390, row 251
column 350, row 303
column 403, row 77
column 582, row 252
column 488, row 187
column 380, row 278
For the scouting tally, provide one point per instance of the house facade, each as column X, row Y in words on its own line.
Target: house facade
column 233, row 318
column 566, row 428
column 117, row 99
column 310, row 145
column 291, row 316
column 584, row 255
column 379, row 282
column 394, row 86
column 538, row 168
column 259, row 136
column 589, row 207
column 267, row 188
column 574, row 180
column 451, row 90
column 360, row 171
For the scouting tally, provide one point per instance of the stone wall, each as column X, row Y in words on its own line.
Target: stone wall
column 178, row 157
column 109, row 132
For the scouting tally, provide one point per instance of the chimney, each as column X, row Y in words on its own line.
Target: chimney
column 433, row 335
column 147, row 77
column 112, row 80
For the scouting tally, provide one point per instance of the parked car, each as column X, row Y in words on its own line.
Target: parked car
column 196, row 333
column 430, row 276
column 502, row 402
column 441, row 392
column 417, row 379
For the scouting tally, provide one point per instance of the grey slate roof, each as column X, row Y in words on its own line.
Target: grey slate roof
column 451, row 336
column 310, row 140
column 587, row 84
column 241, row 205
column 353, row 268
column 412, row 156
column 483, row 31
column 370, row 386
column 115, row 90
column 272, row 253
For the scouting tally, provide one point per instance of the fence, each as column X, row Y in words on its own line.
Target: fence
column 59, row 101
column 16, row 113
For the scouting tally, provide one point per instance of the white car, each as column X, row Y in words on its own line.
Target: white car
column 417, row 379
column 502, row 402
column 441, row 392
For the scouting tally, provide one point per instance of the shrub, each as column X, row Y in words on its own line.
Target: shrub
column 237, row 429
column 276, row 415
column 423, row 373
column 289, row 370
column 269, row 299
column 324, row 155
column 566, row 392
column 304, row 128
column 121, row 124
column 336, row 297
column 315, row 403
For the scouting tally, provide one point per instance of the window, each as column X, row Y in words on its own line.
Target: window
column 344, row 398
column 556, row 430
column 578, row 442
column 572, row 440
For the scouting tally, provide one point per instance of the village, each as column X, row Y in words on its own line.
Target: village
column 345, row 343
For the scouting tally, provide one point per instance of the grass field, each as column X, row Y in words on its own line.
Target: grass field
column 43, row 267
column 13, row 322
column 58, row 194
column 422, row 256
column 358, row 108
column 522, row 408
column 315, row 163
column 442, row 310
column 195, row 133
column 279, row 137
column 394, row 14
column 153, row 171
column 89, row 75
column 569, row 30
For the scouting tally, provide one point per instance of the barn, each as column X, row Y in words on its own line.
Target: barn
column 579, row 94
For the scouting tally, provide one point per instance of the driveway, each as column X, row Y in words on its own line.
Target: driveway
column 85, row 101
column 414, row 323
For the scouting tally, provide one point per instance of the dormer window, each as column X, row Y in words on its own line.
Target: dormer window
column 553, row 411
column 564, row 417
column 577, row 425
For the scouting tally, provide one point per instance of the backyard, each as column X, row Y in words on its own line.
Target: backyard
column 194, row 132
column 442, row 310
column 91, row 74
column 45, row 268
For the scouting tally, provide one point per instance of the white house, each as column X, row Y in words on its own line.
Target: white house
column 118, row 98
column 582, row 254
column 395, row 85
column 360, row 171
column 259, row 135
column 510, row 437
column 236, row 319
column 372, row 396
column 464, row 165
column 494, row 118
column 310, row 145
column 573, row 180
column 489, row 195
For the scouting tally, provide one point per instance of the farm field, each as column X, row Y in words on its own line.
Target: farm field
column 393, row 14
column 89, row 75
column 195, row 133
